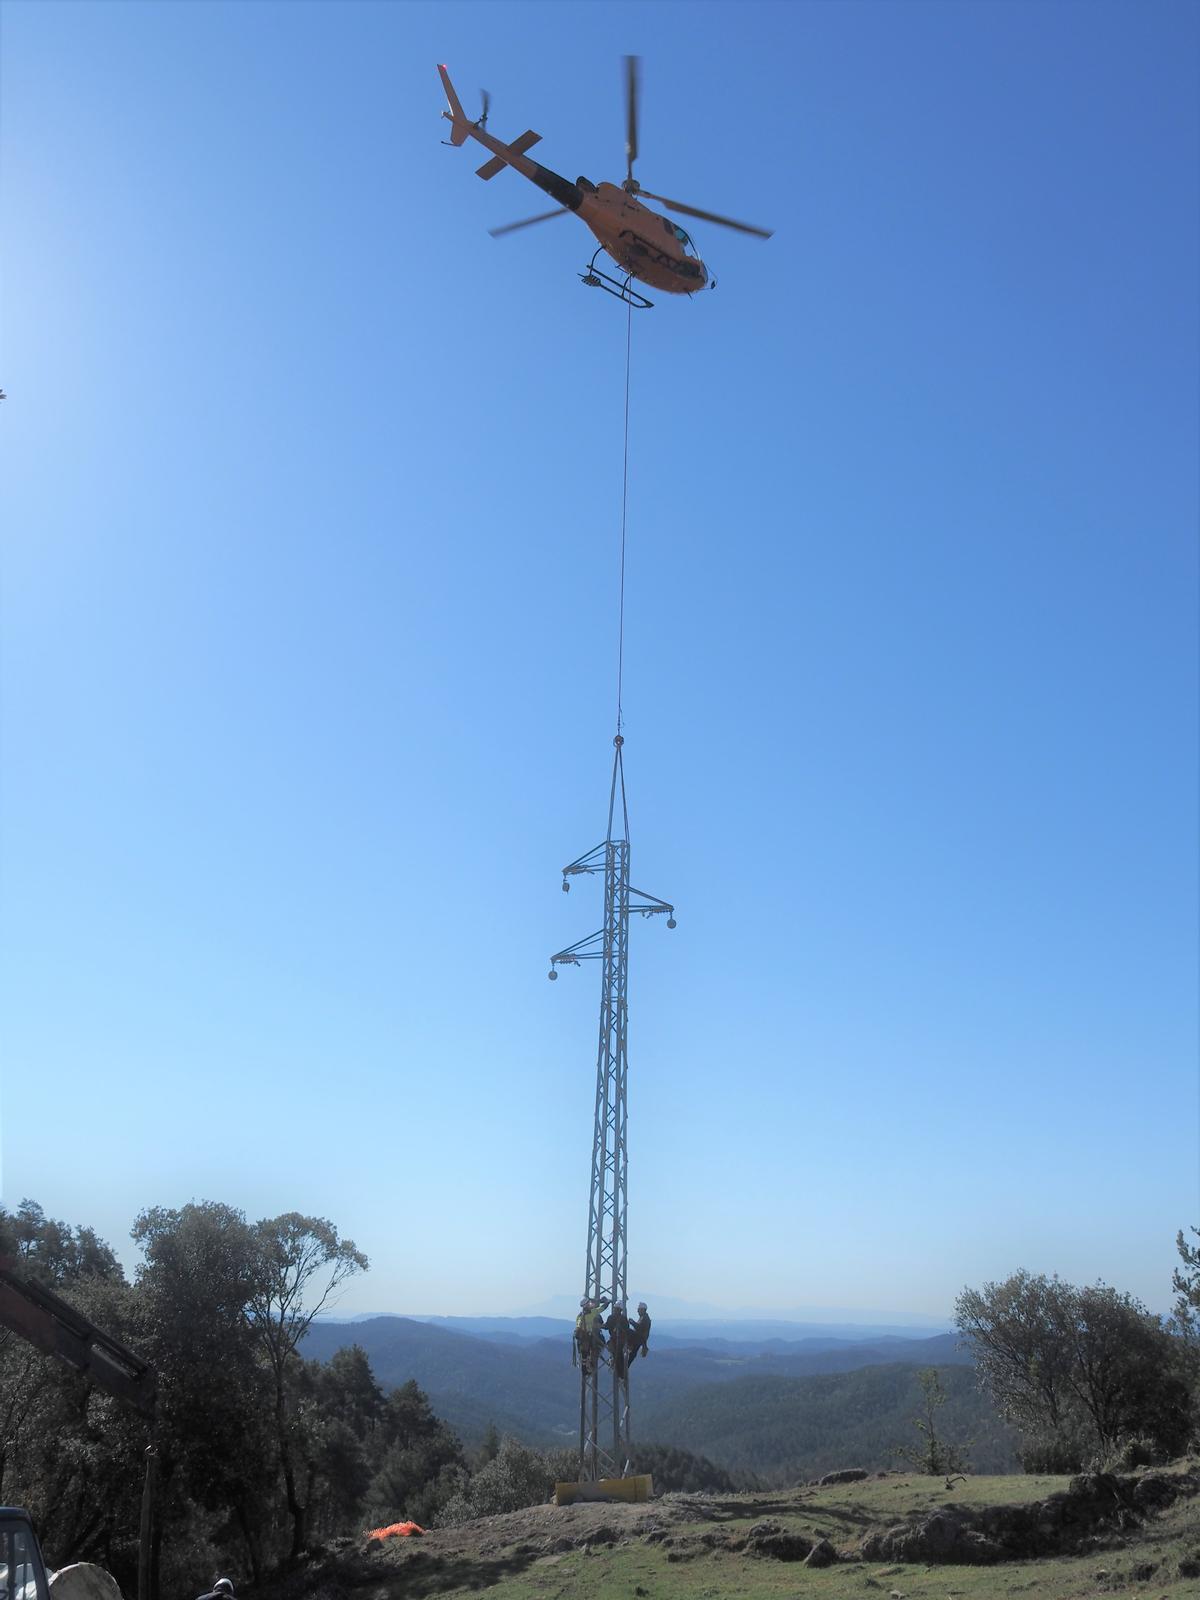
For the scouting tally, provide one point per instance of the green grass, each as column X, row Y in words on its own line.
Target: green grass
column 623, row 1575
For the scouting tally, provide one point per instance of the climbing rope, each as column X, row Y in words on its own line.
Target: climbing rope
column 624, row 506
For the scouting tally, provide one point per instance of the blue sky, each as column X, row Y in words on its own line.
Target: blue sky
column 311, row 502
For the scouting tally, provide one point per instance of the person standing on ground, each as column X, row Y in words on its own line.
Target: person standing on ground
column 221, row 1590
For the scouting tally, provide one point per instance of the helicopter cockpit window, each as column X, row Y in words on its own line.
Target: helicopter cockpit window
column 682, row 237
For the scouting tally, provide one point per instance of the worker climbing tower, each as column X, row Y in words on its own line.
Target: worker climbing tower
column 604, row 1409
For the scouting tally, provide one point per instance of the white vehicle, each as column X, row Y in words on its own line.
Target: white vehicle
column 22, row 1570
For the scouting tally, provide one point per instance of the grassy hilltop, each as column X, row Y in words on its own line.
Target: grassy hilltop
column 1099, row 1537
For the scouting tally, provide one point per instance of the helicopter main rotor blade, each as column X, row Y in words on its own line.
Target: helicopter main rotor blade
column 632, row 73
column 542, row 216
column 707, row 216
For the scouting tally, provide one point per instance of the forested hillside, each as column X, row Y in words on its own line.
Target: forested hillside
column 528, row 1389
column 787, row 1429
column 531, row 1389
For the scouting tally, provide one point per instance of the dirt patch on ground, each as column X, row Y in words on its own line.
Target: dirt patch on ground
column 476, row 1554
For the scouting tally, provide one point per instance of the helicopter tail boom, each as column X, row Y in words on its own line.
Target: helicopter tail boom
column 569, row 195
column 460, row 123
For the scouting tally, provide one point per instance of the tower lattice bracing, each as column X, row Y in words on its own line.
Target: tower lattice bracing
column 604, row 1407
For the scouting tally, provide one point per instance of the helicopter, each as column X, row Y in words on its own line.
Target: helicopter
column 643, row 243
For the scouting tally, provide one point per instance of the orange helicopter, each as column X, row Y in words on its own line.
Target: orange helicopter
column 643, row 243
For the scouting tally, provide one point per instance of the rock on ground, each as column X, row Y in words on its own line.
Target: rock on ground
column 84, row 1581
column 822, row 1554
column 1058, row 1525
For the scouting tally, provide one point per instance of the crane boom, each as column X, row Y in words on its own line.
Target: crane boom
column 58, row 1329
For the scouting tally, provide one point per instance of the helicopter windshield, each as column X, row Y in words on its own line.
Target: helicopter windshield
column 684, row 240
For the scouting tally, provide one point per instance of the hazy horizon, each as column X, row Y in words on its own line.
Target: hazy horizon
column 665, row 1310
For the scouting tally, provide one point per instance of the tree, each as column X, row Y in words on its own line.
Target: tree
column 337, row 1437
column 300, row 1263
column 67, row 1451
column 217, row 1448
column 1013, row 1330
column 1125, row 1371
column 936, row 1456
column 350, row 1388
column 421, row 1465
column 53, row 1252
column 217, row 1307
column 1079, row 1371
column 1186, row 1285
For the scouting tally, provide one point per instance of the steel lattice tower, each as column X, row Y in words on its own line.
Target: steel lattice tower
column 604, row 1412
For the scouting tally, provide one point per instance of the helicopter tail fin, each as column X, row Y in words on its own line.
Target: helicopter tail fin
column 460, row 123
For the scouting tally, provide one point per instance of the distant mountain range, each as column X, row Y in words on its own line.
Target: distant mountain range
column 517, row 1373
column 745, row 1333
column 669, row 1309
column 693, row 1327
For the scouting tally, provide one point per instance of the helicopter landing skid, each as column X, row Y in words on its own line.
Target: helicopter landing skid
column 595, row 279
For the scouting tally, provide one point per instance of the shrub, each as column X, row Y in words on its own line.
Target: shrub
column 1086, row 1365
column 516, row 1477
column 1051, row 1454
column 1129, row 1454
column 680, row 1470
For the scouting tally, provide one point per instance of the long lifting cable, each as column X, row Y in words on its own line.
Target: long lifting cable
column 624, row 509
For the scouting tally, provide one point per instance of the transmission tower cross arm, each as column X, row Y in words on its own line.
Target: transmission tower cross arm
column 646, row 905
column 593, row 947
column 589, row 949
column 591, row 861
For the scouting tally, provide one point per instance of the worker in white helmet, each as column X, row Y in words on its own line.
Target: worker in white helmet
column 639, row 1332
column 617, row 1328
column 581, row 1342
column 222, row 1589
